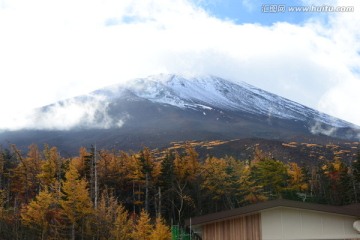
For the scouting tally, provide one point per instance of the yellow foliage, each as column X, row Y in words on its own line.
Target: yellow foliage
column 215, row 176
column 143, row 228
column 296, row 177
column 123, row 227
column 186, row 167
column 288, row 145
column 161, row 231
column 41, row 212
column 76, row 203
column 35, row 213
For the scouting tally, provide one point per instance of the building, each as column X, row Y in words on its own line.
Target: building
column 280, row 220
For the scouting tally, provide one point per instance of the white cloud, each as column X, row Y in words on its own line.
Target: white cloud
column 317, row 128
column 343, row 99
column 68, row 114
column 52, row 50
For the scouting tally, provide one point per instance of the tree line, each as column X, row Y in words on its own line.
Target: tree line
column 108, row 194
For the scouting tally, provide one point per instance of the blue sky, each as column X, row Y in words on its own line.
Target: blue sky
column 57, row 49
column 251, row 11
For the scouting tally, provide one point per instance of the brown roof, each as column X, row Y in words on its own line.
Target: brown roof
column 350, row 210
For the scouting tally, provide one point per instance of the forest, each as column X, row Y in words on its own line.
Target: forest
column 110, row 194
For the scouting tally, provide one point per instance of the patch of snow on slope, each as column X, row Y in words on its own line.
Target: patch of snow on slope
column 209, row 92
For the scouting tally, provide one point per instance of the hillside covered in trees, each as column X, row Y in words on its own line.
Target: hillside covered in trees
column 108, row 194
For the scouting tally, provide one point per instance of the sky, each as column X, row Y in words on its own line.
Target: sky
column 52, row 50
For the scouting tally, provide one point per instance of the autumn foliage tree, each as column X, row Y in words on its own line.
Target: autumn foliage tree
column 123, row 226
column 46, row 196
column 222, row 179
column 143, row 227
column 161, row 231
column 186, row 170
column 43, row 214
column 76, row 202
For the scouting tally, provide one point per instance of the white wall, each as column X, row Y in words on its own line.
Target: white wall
column 290, row 224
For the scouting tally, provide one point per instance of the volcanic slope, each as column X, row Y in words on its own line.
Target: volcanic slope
column 157, row 110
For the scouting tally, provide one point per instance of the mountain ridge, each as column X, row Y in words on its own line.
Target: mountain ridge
column 162, row 108
column 205, row 90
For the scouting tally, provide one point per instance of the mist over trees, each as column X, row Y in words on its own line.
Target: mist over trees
column 108, row 194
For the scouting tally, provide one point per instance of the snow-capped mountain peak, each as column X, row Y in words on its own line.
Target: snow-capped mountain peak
column 210, row 92
column 160, row 109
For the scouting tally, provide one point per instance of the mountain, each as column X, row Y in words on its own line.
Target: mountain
column 157, row 110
